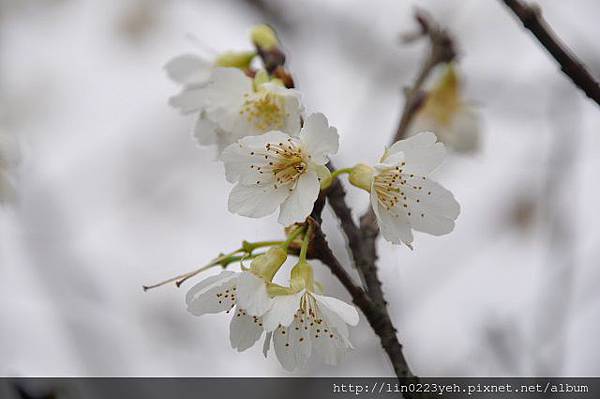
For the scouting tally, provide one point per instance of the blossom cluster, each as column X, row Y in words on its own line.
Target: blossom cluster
column 298, row 321
column 277, row 156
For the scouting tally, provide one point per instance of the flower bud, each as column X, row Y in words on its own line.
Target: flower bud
column 264, row 37
column 446, row 112
column 444, row 99
column 267, row 264
column 241, row 59
column 362, row 176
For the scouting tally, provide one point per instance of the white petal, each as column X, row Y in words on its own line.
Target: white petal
column 300, row 340
column 394, row 226
column 346, row 312
column 188, row 69
column 301, row 200
column 205, row 131
column 226, row 88
column 330, row 346
column 267, row 343
column 282, row 311
column 432, row 208
column 332, row 323
column 252, row 294
column 237, row 159
column 260, row 141
column 419, row 140
column 244, row 330
column 318, row 139
column 282, row 343
column 213, row 294
column 220, row 98
column 224, row 139
column 230, row 121
column 292, row 345
column 190, row 99
column 247, row 152
column 293, row 110
column 255, row 200
column 421, row 153
column 390, row 161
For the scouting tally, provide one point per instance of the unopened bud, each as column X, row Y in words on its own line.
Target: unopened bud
column 264, row 37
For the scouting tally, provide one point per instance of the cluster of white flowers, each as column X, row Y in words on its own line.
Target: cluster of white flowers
column 229, row 104
column 298, row 321
column 277, row 156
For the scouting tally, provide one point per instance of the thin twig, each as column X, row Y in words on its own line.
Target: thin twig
column 442, row 50
column 377, row 316
column 362, row 239
column 531, row 17
column 362, row 248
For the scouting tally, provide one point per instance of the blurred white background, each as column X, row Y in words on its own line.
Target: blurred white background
column 114, row 193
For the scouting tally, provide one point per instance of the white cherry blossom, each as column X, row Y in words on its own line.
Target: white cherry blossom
column 245, row 293
column 402, row 195
column 220, row 293
column 445, row 112
column 231, row 105
column 306, row 324
column 277, row 170
column 194, row 70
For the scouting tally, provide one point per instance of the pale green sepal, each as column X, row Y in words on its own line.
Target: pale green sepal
column 362, row 176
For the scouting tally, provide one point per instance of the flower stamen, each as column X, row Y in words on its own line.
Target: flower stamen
column 265, row 111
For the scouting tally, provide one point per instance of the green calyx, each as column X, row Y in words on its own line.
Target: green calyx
column 267, row 264
column 361, row 176
column 302, row 277
column 235, row 59
column 260, row 78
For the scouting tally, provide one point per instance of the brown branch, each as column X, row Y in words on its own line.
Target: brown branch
column 531, row 17
column 442, row 50
column 378, row 318
column 362, row 240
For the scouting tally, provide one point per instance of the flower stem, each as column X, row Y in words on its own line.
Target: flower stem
column 222, row 260
column 338, row 172
column 293, row 235
column 251, row 246
column 304, row 247
column 328, row 181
